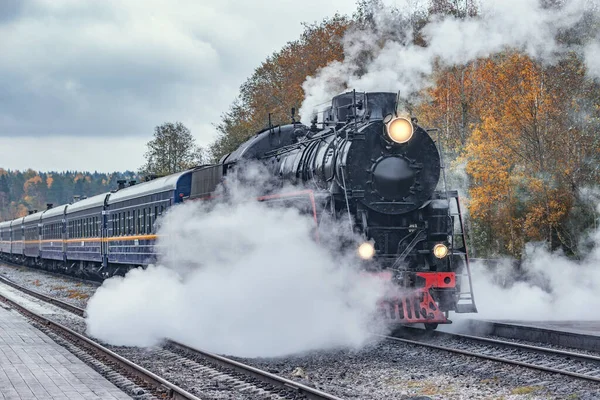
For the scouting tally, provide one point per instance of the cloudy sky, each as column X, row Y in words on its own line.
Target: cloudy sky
column 84, row 82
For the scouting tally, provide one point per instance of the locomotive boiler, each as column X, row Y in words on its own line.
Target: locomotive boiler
column 380, row 171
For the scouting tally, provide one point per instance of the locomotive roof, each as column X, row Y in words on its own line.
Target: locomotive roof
column 5, row 224
column 154, row 186
column 54, row 211
column 91, row 202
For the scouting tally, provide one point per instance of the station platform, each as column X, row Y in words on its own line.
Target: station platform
column 33, row 366
column 577, row 327
column 584, row 335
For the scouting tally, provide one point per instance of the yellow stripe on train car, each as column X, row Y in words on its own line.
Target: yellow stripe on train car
column 96, row 239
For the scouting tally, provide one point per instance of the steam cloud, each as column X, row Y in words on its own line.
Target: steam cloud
column 241, row 278
column 400, row 65
column 548, row 286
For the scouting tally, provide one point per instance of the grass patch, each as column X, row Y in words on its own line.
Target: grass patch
column 421, row 387
column 76, row 294
column 525, row 390
column 37, row 282
column 490, row 380
column 59, row 287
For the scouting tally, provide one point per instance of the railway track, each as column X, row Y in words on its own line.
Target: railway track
column 52, row 273
column 573, row 364
column 244, row 377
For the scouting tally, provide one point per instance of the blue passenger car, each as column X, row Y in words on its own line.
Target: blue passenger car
column 31, row 239
column 83, row 221
column 131, row 214
column 16, row 238
column 5, row 237
column 53, row 234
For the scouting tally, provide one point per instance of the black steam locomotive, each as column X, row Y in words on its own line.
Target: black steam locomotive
column 364, row 163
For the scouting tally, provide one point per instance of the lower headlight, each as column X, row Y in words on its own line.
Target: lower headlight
column 440, row 250
column 366, row 251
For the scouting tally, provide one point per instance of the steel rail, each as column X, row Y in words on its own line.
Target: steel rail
column 51, row 273
column 263, row 376
column 48, row 299
column 159, row 384
column 518, row 346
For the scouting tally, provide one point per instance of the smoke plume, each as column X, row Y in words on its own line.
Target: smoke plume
column 382, row 56
column 546, row 286
column 241, row 278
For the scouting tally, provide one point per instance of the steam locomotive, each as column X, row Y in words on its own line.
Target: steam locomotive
column 380, row 171
column 362, row 162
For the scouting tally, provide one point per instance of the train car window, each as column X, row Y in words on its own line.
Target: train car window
column 129, row 227
column 150, row 218
column 133, row 223
column 140, row 225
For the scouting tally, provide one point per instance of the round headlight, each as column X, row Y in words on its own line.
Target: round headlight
column 440, row 250
column 400, row 130
column 366, row 251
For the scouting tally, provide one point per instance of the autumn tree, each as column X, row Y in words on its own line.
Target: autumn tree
column 275, row 87
column 173, row 149
column 530, row 155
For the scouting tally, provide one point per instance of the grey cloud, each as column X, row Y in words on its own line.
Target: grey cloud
column 11, row 9
column 117, row 69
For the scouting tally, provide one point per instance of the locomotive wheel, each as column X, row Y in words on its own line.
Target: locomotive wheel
column 430, row 327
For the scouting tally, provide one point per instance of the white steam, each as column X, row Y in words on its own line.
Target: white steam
column 400, row 65
column 242, row 279
column 549, row 285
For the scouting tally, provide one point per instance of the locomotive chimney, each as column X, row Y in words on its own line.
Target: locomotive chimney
column 121, row 184
column 131, row 183
column 29, row 212
column 76, row 198
column 49, row 206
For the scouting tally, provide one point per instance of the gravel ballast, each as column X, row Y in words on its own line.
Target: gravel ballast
column 382, row 370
